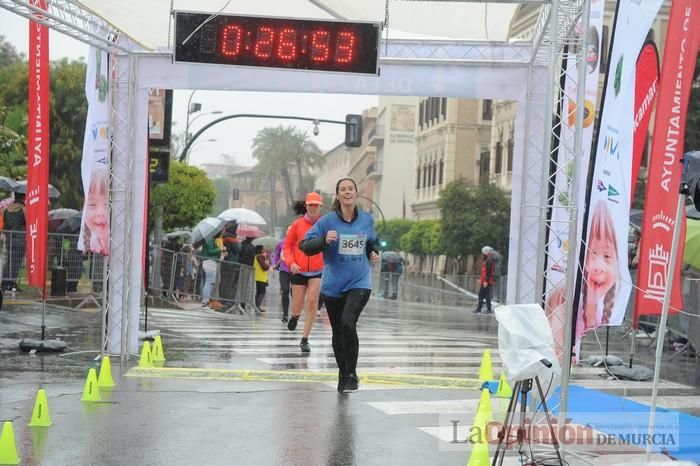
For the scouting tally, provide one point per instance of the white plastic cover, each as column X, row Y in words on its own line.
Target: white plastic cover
column 524, row 340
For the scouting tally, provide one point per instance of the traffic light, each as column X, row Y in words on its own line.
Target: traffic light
column 353, row 130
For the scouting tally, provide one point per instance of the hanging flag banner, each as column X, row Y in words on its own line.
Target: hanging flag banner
column 658, row 222
column 37, row 195
column 558, row 244
column 645, row 90
column 605, row 278
column 94, row 228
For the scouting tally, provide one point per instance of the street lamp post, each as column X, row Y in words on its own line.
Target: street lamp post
column 190, row 110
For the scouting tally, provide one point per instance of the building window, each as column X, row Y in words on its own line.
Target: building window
column 434, row 173
column 511, row 145
column 499, row 157
column 436, row 108
column 420, row 114
column 443, row 108
column 442, row 170
column 417, row 178
column 484, row 166
column 486, row 109
column 425, row 176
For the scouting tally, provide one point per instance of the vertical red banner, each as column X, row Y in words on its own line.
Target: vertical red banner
column 645, row 89
column 37, row 198
column 659, row 221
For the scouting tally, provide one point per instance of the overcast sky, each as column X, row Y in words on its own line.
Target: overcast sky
column 233, row 137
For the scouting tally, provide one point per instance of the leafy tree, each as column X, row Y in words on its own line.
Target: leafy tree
column 432, row 242
column 186, row 198
column 8, row 53
column 492, row 225
column 393, row 232
column 472, row 218
column 413, row 241
column 282, row 150
column 68, row 108
column 457, row 217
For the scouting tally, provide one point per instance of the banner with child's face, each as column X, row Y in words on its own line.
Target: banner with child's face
column 605, row 278
column 94, row 229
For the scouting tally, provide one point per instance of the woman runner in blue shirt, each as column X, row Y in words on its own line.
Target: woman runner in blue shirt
column 347, row 239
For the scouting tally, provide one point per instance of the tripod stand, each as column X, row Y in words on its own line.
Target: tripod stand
column 520, row 390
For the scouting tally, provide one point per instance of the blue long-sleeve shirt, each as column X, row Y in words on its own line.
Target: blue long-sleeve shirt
column 346, row 261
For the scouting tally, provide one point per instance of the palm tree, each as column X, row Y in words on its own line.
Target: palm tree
column 280, row 149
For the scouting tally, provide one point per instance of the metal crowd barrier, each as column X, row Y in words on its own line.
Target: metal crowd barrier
column 177, row 276
column 431, row 288
column 68, row 269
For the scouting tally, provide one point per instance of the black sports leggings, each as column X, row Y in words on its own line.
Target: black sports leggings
column 343, row 313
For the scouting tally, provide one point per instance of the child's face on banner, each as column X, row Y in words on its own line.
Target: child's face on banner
column 601, row 266
column 97, row 217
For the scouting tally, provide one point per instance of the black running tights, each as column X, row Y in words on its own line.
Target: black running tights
column 343, row 313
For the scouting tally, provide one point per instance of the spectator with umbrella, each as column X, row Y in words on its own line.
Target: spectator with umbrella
column 391, row 269
column 230, row 266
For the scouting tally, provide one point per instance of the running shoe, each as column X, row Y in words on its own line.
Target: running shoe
column 304, row 345
column 341, row 382
column 285, row 319
column 292, row 324
column 351, row 384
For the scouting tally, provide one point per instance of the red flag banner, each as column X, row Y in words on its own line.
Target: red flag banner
column 645, row 90
column 37, row 197
column 658, row 223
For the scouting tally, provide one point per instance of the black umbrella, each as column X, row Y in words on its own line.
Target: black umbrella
column 21, row 187
column 71, row 225
column 392, row 256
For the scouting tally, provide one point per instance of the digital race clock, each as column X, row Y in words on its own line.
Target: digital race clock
column 300, row 44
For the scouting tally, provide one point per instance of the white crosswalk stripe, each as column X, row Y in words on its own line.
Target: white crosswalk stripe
column 384, row 349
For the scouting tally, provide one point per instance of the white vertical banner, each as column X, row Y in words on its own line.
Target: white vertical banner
column 605, row 284
column 94, row 228
column 558, row 245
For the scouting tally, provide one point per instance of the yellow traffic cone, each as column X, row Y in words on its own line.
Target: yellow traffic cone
column 480, row 453
column 41, row 417
column 486, row 370
column 91, row 392
column 8, row 448
column 504, row 390
column 105, row 379
column 157, row 351
column 485, row 405
column 146, row 359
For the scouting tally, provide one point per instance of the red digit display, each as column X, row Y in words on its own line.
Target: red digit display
column 320, row 46
column 231, row 40
column 287, row 45
column 277, row 42
column 345, row 47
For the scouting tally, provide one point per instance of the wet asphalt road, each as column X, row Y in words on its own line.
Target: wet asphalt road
column 166, row 421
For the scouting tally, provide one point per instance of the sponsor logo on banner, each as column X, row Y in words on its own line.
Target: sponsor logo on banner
column 600, row 186
column 612, row 142
column 612, row 193
column 618, row 76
